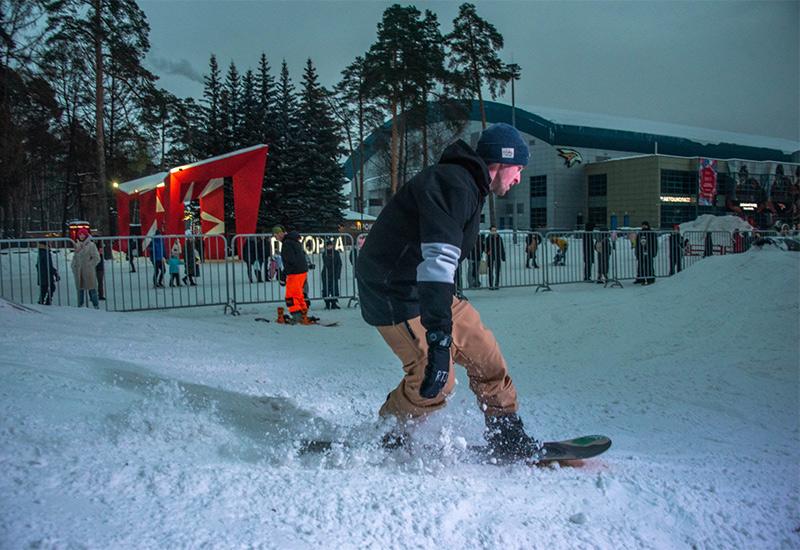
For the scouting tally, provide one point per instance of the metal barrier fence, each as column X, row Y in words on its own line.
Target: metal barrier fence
column 331, row 274
column 176, row 271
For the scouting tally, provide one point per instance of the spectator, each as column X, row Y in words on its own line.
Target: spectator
column 676, row 244
column 646, row 250
column 84, row 264
column 331, row 273
column 189, row 261
column 738, row 242
column 603, row 247
column 158, row 257
column 101, row 270
column 47, row 275
column 495, row 256
column 474, row 275
column 250, row 257
column 532, row 242
column 588, row 252
column 708, row 245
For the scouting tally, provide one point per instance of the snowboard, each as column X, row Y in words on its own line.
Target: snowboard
column 578, row 448
column 320, row 323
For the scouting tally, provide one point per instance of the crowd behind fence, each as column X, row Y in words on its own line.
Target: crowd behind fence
column 176, row 271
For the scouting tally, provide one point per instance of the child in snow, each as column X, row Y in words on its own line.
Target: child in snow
column 174, row 269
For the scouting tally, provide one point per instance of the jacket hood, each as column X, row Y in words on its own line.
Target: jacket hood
column 293, row 235
column 463, row 155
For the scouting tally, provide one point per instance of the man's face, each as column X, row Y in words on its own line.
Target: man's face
column 280, row 235
column 507, row 176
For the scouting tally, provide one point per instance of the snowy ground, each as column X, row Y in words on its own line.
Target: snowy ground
column 178, row 428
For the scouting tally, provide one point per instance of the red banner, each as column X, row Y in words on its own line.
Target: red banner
column 708, row 182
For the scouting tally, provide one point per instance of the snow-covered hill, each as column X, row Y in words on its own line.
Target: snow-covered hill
column 179, row 429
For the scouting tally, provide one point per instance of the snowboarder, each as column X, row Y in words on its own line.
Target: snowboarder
column 295, row 268
column 405, row 277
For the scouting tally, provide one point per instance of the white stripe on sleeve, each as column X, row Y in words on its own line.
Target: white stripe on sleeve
column 439, row 263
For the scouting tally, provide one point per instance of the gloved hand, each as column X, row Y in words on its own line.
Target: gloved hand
column 438, row 367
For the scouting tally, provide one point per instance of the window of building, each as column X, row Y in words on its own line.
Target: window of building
column 376, row 202
column 509, row 208
column 598, row 186
column 520, row 208
column 538, row 186
column 538, row 217
column 676, row 213
column 678, row 182
column 597, row 216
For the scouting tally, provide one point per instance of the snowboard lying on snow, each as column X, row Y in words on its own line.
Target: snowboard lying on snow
column 579, row 448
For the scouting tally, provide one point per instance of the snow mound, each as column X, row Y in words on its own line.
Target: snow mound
column 709, row 222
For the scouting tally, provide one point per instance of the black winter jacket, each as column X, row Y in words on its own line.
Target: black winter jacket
column 293, row 255
column 407, row 264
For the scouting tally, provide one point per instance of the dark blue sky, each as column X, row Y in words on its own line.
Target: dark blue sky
column 726, row 65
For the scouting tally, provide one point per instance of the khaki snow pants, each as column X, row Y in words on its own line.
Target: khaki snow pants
column 474, row 347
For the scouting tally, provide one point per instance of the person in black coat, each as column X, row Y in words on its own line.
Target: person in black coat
column 675, row 250
column 646, row 251
column 588, row 251
column 190, row 264
column 495, row 256
column 331, row 273
column 47, row 275
column 250, row 257
column 475, row 252
column 603, row 248
column 406, row 285
column 532, row 242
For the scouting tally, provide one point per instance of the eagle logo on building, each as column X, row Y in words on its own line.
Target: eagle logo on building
column 571, row 157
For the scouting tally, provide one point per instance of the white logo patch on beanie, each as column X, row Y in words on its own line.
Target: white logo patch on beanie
column 508, row 152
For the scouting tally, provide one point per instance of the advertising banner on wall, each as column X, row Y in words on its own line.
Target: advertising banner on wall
column 708, row 182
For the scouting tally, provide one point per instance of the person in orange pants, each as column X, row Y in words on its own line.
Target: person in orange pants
column 295, row 267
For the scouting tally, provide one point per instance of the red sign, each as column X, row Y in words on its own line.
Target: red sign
column 708, row 182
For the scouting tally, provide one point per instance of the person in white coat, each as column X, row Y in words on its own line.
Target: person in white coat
column 84, row 261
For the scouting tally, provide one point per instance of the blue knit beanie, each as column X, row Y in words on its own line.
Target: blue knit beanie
column 503, row 144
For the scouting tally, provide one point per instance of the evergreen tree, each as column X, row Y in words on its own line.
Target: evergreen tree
column 265, row 97
column 250, row 129
column 285, row 203
column 213, row 130
column 232, row 109
column 319, row 146
column 111, row 33
column 357, row 115
column 473, row 45
column 395, row 70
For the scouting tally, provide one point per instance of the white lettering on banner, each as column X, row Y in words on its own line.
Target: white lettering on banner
column 311, row 244
column 748, row 205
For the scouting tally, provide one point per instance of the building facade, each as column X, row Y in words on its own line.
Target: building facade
column 613, row 172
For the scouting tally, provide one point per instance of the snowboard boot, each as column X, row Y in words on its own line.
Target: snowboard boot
column 508, row 440
column 283, row 318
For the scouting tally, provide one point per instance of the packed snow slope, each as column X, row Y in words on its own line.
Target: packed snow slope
column 180, row 428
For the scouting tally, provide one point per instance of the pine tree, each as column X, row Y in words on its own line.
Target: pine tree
column 473, row 45
column 284, row 199
column 250, row 128
column 213, row 129
column 232, row 109
column 357, row 115
column 319, row 147
column 395, row 71
column 264, row 122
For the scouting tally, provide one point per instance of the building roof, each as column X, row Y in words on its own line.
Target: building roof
column 595, row 131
